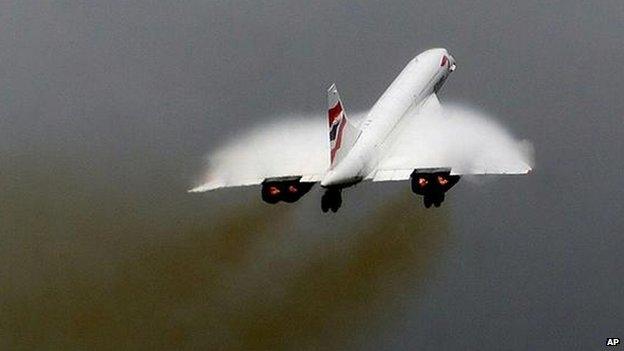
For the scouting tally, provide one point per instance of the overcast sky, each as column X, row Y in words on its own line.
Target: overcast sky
column 108, row 108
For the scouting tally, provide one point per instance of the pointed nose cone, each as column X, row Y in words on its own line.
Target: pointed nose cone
column 453, row 65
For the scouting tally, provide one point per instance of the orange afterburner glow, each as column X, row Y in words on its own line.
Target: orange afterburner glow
column 274, row 191
column 442, row 180
column 422, row 182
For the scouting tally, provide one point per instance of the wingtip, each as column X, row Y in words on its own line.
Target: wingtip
column 200, row 189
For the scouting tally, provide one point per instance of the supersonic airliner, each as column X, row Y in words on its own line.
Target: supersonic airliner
column 378, row 148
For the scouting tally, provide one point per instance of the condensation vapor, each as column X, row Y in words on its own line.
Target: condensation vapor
column 456, row 136
column 286, row 145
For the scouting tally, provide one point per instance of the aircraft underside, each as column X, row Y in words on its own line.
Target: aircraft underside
column 430, row 184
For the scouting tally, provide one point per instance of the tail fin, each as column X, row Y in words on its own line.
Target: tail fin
column 342, row 133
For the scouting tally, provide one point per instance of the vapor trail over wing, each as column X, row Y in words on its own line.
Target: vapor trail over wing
column 455, row 138
column 459, row 138
column 290, row 146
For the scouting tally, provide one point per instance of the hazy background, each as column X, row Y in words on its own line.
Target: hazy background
column 107, row 110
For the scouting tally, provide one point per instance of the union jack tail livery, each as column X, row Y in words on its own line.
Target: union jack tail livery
column 342, row 133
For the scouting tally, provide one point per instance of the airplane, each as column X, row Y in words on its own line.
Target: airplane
column 382, row 146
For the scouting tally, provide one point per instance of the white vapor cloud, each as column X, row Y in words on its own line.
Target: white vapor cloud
column 459, row 136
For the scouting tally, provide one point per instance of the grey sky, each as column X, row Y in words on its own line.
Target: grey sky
column 112, row 105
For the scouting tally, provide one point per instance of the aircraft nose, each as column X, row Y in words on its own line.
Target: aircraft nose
column 453, row 65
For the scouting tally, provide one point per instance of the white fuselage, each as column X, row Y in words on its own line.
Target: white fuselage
column 422, row 76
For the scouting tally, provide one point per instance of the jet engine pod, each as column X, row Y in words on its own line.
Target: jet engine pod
column 288, row 189
column 432, row 184
column 426, row 181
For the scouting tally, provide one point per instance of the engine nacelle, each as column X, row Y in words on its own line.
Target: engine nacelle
column 432, row 184
column 287, row 189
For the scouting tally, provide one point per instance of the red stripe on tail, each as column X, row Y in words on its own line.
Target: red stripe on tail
column 338, row 140
column 334, row 112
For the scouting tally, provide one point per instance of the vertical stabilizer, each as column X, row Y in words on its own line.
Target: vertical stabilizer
column 342, row 133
